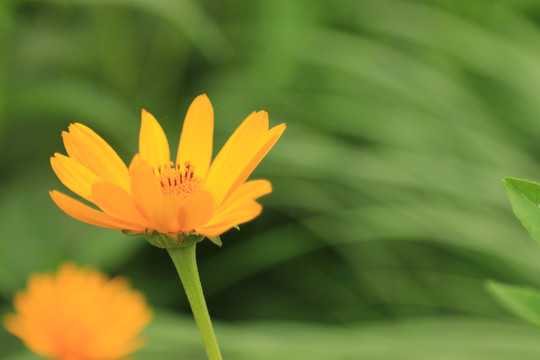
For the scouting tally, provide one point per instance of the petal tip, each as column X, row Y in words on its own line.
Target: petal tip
column 204, row 101
column 55, row 160
column 146, row 115
column 76, row 125
column 55, row 195
column 279, row 129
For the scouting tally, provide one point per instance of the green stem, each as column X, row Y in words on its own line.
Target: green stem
column 186, row 265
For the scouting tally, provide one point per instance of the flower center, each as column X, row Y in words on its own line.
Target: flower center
column 178, row 180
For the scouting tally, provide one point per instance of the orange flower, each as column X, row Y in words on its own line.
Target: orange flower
column 79, row 314
column 193, row 195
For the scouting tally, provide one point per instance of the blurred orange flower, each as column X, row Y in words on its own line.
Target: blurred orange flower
column 193, row 195
column 79, row 314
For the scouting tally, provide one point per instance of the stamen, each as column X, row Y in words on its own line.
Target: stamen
column 177, row 181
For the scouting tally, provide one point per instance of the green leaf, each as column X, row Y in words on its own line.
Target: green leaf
column 522, row 301
column 525, row 198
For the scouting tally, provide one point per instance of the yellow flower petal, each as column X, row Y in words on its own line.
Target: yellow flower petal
column 153, row 145
column 166, row 218
column 197, row 134
column 241, row 213
column 235, row 152
column 86, row 214
column 270, row 140
column 197, row 210
column 85, row 146
column 250, row 190
column 75, row 176
column 240, row 156
column 145, row 187
column 238, row 206
column 115, row 201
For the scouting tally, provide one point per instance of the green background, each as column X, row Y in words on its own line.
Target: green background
column 388, row 213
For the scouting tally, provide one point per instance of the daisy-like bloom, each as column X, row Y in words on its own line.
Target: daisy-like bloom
column 193, row 195
column 79, row 314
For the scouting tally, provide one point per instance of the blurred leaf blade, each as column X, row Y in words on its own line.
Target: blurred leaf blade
column 520, row 300
column 187, row 16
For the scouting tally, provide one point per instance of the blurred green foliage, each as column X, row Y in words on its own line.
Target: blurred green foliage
column 388, row 212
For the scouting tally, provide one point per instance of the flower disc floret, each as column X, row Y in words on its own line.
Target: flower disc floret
column 179, row 181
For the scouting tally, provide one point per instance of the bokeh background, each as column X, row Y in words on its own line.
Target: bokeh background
column 388, row 212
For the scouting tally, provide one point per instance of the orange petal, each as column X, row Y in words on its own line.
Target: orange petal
column 166, row 216
column 145, row 188
column 243, row 196
column 250, row 190
column 271, row 138
column 239, row 161
column 197, row 135
column 75, row 176
column 153, row 145
column 13, row 325
column 88, row 148
column 115, row 201
column 235, row 152
column 88, row 215
column 197, row 210
column 241, row 213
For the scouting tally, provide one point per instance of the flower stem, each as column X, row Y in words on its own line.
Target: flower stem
column 186, row 265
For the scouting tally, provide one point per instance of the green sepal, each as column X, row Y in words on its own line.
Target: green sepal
column 216, row 240
column 236, row 227
column 171, row 241
column 131, row 232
